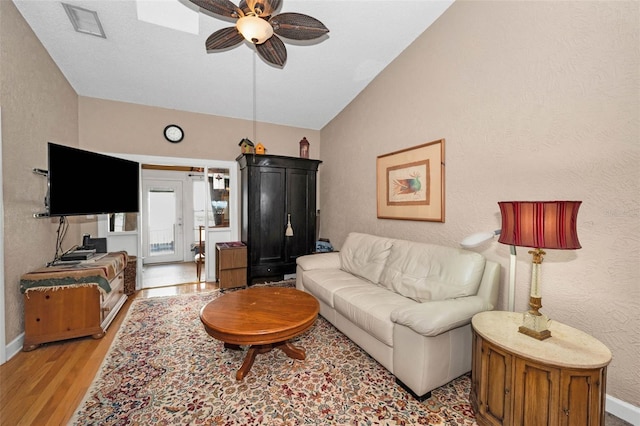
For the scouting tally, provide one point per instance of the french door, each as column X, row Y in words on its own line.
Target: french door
column 162, row 239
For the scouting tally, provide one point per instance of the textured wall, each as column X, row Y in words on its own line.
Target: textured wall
column 536, row 101
column 137, row 129
column 38, row 105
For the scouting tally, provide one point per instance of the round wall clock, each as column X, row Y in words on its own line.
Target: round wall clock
column 173, row 133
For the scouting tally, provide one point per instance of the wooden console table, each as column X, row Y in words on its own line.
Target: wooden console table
column 518, row 380
column 69, row 301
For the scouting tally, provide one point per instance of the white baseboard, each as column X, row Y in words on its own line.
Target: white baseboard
column 623, row 410
column 14, row 346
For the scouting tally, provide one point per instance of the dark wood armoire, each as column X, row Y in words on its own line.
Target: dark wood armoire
column 273, row 189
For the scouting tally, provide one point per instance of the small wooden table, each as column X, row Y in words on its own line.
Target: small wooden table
column 518, row 380
column 262, row 317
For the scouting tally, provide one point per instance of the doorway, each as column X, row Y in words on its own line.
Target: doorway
column 184, row 211
column 162, row 227
column 168, row 274
column 228, row 211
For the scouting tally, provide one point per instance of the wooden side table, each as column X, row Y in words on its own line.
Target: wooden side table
column 518, row 380
column 231, row 264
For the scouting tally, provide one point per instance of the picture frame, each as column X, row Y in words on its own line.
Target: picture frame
column 410, row 183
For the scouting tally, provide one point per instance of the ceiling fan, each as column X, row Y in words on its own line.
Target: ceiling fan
column 258, row 24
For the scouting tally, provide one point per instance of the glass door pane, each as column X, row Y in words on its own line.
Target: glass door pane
column 163, row 202
column 219, row 189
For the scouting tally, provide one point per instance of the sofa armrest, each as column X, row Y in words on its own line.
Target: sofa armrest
column 330, row 260
column 437, row 317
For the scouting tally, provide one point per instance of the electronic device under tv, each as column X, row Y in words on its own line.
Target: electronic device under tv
column 78, row 255
column 84, row 182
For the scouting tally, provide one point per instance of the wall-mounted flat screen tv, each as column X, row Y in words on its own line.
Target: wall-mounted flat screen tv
column 84, row 182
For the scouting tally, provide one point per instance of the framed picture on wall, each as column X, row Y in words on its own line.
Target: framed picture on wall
column 410, row 183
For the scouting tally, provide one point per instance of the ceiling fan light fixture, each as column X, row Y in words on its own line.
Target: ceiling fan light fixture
column 254, row 29
column 260, row 24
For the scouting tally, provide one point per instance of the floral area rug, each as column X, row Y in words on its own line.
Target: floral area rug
column 163, row 368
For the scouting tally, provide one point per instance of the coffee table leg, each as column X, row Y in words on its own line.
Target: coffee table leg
column 292, row 351
column 250, row 357
column 232, row 346
column 286, row 347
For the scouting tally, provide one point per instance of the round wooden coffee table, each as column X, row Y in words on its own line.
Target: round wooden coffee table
column 261, row 317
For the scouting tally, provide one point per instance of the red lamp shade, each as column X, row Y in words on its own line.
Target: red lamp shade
column 540, row 224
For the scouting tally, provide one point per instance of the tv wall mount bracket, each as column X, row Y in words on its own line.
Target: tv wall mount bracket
column 44, row 173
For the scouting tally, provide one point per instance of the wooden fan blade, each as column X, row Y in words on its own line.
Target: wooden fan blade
column 297, row 26
column 223, row 39
column 273, row 51
column 243, row 6
column 263, row 8
column 219, row 7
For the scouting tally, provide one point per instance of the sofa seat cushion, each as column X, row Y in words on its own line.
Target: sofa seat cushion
column 323, row 283
column 426, row 272
column 369, row 307
column 434, row 318
column 365, row 255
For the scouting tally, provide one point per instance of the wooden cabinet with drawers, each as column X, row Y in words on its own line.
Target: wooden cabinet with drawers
column 231, row 264
column 518, row 380
column 55, row 310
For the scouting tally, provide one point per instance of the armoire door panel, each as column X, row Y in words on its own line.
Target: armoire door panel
column 270, row 213
column 300, row 185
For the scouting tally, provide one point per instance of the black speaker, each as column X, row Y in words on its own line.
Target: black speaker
column 100, row 244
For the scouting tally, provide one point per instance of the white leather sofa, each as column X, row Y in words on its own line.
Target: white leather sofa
column 408, row 304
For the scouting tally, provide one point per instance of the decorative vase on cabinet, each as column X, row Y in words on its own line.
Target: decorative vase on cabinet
column 277, row 191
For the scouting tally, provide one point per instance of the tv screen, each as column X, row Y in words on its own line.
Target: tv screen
column 83, row 182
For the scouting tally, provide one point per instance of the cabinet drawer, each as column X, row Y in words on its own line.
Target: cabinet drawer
column 117, row 284
column 233, row 258
column 271, row 270
column 110, row 299
column 230, row 278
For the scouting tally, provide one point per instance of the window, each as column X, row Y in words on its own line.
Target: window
column 219, row 187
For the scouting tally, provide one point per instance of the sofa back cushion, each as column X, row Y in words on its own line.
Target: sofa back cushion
column 427, row 272
column 365, row 255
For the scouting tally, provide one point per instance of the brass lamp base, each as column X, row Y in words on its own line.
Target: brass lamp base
column 540, row 335
column 534, row 323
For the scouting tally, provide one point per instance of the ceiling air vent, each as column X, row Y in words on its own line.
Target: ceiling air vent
column 84, row 20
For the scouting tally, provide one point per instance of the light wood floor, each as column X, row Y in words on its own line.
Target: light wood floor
column 169, row 274
column 46, row 385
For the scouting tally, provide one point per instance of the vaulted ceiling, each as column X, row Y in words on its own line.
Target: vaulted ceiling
column 147, row 62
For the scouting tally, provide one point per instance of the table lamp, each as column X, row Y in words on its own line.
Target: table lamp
column 540, row 225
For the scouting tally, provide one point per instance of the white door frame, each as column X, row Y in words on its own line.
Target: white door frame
column 3, row 346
